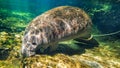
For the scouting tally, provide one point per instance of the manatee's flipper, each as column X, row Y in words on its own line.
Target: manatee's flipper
column 53, row 47
column 28, row 53
column 87, row 42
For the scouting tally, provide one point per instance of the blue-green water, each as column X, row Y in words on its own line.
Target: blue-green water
column 15, row 15
column 105, row 14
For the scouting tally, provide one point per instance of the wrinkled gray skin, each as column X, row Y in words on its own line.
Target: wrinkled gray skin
column 56, row 25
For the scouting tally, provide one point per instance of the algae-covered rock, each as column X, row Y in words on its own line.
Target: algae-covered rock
column 9, row 42
column 57, row 61
column 65, row 61
column 104, row 56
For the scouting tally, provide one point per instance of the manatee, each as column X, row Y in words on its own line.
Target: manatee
column 56, row 25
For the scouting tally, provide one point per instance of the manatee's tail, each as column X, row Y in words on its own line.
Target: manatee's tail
column 100, row 35
column 87, row 43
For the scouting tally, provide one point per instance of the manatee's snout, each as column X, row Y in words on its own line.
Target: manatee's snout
column 23, row 51
column 26, row 52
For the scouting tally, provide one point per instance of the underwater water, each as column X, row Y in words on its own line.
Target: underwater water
column 15, row 15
